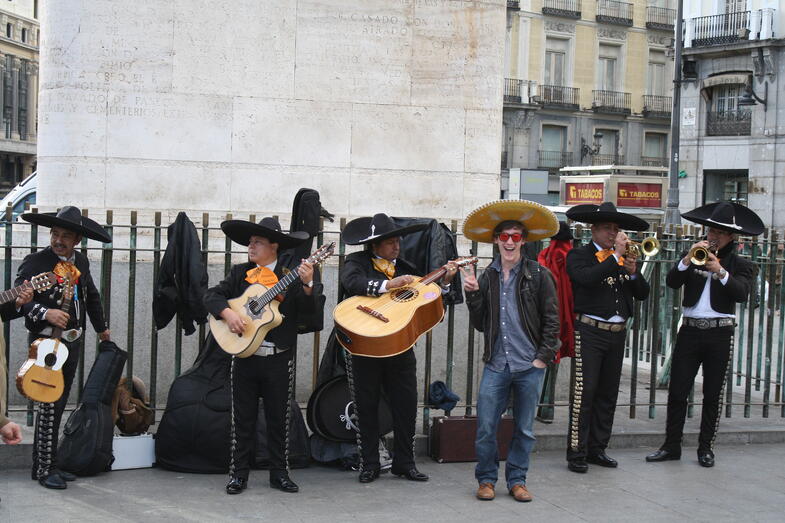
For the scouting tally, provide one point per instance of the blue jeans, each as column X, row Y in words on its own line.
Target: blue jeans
column 494, row 393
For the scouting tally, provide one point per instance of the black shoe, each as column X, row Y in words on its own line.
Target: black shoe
column 663, row 455
column 578, row 465
column 53, row 480
column 602, row 459
column 236, row 485
column 706, row 458
column 65, row 475
column 412, row 475
column 284, row 483
column 367, row 476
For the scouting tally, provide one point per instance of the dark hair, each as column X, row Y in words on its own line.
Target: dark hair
column 506, row 224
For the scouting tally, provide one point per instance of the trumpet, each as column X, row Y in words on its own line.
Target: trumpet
column 700, row 255
column 648, row 247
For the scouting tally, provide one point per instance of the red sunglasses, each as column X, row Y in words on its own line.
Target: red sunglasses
column 516, row 237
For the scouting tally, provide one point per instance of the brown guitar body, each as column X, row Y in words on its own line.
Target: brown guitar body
column 390, row 324
column 38, row 381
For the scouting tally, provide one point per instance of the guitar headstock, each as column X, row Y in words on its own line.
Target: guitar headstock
column 67, row 283
column 322, row 253
column 43, row 281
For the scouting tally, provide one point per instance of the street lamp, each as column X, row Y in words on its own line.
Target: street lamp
column 594, row 148
column 750, row 98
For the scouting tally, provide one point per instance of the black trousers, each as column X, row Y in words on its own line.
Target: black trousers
column 397, row 376
column 598, row 361
column 69, row 372
column 695, row 347
column 269, row 377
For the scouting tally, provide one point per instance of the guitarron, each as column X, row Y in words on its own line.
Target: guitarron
column 390, row 324
column 257, row 306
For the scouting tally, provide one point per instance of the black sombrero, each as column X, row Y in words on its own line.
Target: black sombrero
column 564, row 234
column 604, row 213
column 240, row 231
column 727, row 216
column 372, row 229
column 70, row 217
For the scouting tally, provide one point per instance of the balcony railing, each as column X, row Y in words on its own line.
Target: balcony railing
column 655, row 106
column 654, row 161
column 612, row 12
column 518, row 91
column 729, row 123
column 558, row 96
column 607, row 159
column 554, row 159
column 611, row 102
column 563, row 8
column 660, row 18
column 514, row 5
column 721, row 29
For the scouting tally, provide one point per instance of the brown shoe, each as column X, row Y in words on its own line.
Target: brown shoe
column 520, row 493
column 486, row 492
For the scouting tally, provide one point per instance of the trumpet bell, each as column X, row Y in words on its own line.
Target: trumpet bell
column 699, row 255
column 648, row 247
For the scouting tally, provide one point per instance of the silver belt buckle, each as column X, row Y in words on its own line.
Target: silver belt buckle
column 702, row 323
column 71, row 335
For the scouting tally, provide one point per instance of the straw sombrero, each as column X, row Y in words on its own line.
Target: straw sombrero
column 540, row 222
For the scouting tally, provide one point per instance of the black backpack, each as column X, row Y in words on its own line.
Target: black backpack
column 86, row 446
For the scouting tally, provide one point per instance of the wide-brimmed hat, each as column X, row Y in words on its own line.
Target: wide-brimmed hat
column 376, row 228
column 240, row 231
column 606, row 213
column 727, row 216
column 69, row 217
column 564, row 233
column 540, row 222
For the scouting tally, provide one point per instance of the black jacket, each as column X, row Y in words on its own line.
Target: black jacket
column 182, row 279
column 602, row 289
column 295, row 302
column 359, row 277
column 723, row 297
column 86, row 293
column 538, row 306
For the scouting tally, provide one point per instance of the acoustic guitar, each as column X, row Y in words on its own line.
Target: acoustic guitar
column 258, row 307
column 38, row 283
column 390, row 324
column 41, row 376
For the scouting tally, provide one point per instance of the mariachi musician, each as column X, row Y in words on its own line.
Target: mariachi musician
column 605, row 279
column 269, row 373
column 43, row 314
column 373, row 272
column 713, row 285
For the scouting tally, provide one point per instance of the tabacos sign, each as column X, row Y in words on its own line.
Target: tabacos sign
column 639, row 195
column 578, row 193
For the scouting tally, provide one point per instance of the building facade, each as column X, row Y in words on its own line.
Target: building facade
column 19, row 41
column 588, row 82
column 734, row 56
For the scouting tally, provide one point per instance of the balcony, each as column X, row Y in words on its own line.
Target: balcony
column 657, row 106
column 720, row 29
column 612, row 12
column 654, row 161
column 729, row 123
column 553, row 159
column 515, row 5
column 558, row 97
column 607, row 159
column 660, row 18
column 563, row 8
column 611, row 102
column 518, row 91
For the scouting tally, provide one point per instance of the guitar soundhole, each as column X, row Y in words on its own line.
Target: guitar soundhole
column 50, row 360
column 255, row 307
column 404, row 295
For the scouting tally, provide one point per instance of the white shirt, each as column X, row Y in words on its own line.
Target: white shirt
column 267, row 348
column 703, row 309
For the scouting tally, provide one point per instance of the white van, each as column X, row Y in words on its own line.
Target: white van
column 21, row 195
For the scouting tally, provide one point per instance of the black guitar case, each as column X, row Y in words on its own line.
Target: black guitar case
column 86, row 446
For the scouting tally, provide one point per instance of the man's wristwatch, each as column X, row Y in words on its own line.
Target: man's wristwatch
column 309, row 284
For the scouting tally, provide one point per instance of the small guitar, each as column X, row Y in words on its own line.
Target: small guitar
column 257, row 306
column 38, row 283
column 391, row 323
column 41, row 376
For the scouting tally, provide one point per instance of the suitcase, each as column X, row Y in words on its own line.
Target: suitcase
column 452, row 438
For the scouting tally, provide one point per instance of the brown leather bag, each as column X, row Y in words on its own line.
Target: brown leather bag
column 131, row 410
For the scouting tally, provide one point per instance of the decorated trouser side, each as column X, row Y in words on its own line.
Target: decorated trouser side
column 50, row 415
column 711, row 348
column 269, row 377
column 598, row 361
column 397, row 375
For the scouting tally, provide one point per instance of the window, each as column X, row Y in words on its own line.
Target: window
column 725, row 186
column 609, row 148
column 553, row 147
column 735, row 6
column 24, row 35
column 608, row 68
column 654, row 150
column 725, row 98
column 656, row 80
column 555, row 61
column 9, row 30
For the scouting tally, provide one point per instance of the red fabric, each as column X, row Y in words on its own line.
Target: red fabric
column 554, row 257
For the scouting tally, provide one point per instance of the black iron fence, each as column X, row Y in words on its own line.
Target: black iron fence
column 554, row 159
column 518, row 91
column 607, row 159
column 563, row 8
column 654, row 161
column 655, row 106
column 613, row 12
column 660, row 18
column 611, row 102
column 721, row 29
column 514, row 5
column 729, row 123
column 558, row 96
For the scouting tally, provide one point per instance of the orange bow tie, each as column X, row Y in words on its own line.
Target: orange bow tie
column 603, row 255
column 261, row 275
column 385, row 266
column 67, row 270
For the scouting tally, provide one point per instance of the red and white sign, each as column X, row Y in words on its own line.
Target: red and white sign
column 639, row 195
column 577, row 193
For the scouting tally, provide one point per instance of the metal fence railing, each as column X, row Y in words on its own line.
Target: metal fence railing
column 660, row 18
column 729, row 123
column 611, row 102
column 563, row 8
column 126, row 269
column 613, row 12
column 720, row 29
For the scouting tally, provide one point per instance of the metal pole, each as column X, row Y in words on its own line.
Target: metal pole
column 672, row 210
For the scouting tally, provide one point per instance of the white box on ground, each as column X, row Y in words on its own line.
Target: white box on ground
column 133, row 452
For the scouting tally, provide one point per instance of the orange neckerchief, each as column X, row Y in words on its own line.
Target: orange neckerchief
column 385, row 266
column 67, row 270
column 261, row 275
column 603, row 255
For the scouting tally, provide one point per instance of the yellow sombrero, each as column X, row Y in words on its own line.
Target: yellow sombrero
column 538, row 219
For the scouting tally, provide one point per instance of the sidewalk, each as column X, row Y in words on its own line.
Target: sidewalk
column 747, row 484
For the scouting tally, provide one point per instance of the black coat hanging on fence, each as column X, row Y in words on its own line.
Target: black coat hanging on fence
column 182, row 279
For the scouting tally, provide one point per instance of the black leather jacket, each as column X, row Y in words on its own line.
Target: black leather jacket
column 537, row 303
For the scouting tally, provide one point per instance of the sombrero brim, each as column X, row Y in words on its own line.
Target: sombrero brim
column 589, row 214
column 240, row 231
column 356, row 231
column 540, row 222
column 747, row 221
column 88, row 228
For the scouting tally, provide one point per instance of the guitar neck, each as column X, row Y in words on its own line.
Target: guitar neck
column 433, row 276
column 57, row 331
column 12, row 294
column 279, row 287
